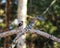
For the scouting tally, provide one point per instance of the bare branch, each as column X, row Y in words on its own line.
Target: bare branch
column 44, row 34
column 49, row 6
column 8, row 33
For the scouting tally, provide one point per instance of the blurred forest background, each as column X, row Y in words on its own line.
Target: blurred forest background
column 50, row 21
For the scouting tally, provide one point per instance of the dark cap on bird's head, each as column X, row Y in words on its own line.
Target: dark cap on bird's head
column 20, row 24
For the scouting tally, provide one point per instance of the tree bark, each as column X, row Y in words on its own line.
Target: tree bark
column 7, row 39
column 22, row 11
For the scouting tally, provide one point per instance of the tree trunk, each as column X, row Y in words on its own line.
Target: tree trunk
column 22, row 11
column 7, row 39
column 0, row 3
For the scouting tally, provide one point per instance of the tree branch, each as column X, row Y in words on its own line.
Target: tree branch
column 48, row 7
column 8, row 33
column 44, row 34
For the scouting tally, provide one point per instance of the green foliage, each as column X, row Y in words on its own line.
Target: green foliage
column 13, row 11
column 2, row 25
column 52, row 23
column 1, row 41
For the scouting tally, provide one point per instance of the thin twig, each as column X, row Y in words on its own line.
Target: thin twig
column 48, row 7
